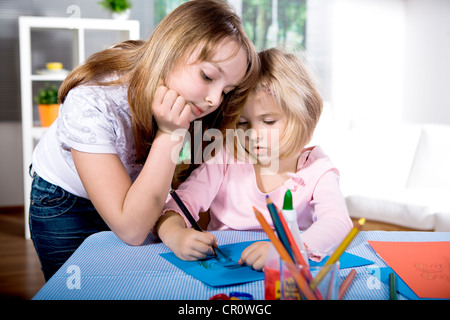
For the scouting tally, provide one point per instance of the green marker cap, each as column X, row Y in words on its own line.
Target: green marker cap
column 287, row 205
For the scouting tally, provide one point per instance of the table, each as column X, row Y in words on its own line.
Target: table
column 105, row 268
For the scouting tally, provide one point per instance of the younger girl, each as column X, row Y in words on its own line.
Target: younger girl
column 285, row 101
column 106, row 163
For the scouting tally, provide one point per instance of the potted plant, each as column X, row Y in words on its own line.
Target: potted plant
column 48, row 106
column 119, row 9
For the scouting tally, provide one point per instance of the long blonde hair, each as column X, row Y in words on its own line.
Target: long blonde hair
column 141, row 65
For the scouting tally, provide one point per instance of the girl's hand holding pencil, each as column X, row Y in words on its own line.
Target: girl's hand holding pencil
column 190, row 245
column 186, row 243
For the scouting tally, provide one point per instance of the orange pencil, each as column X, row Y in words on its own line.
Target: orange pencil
column 298, row 277
column 347, row 282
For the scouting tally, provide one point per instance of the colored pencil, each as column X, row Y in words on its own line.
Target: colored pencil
column 185, row 210
column 299, row 260
column 346, row 284
column 284, row 255
column 337, row 253
column 392, row 286
column 281, row 231
column 294, row 247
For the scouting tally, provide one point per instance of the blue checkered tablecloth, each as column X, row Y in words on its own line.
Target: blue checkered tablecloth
column 105, row 268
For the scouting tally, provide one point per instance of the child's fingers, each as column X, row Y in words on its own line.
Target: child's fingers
column 170, row 99
column 160, row 93
column 213, row 241
column 254, row 260
column 171, row 109
column 194, row 249
column 247, row 252
column 249, row 257
column 185, row 114
column 205, row 243
column 199, row 250
column 255, row 255
column 195, row 245
column 259, row 263
column 182, row 112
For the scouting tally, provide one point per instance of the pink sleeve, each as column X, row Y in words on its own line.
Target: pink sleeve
column 200, row 189
column 330, row 215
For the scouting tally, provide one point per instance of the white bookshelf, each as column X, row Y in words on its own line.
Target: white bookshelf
column 31, row 132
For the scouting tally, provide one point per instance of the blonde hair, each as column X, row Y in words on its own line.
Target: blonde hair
column 286, row 77
column 141, row 64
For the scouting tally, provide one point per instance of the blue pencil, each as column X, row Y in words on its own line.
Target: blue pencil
column 279, row 227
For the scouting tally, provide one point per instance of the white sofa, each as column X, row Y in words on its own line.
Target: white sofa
column 396, row 174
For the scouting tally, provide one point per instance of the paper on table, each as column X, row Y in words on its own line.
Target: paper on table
column 212, row 273
column 423, row 266
column 402, row 287
column 347, row 260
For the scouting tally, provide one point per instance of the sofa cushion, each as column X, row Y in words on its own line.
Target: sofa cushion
column 443, row 221
column 377, row 158
column 391, row 210
column 419, row 208
column 398, row 174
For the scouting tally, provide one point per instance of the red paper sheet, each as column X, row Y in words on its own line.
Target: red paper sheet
column 424, row 266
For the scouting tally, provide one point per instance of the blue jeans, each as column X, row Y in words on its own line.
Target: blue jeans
column 59, row 223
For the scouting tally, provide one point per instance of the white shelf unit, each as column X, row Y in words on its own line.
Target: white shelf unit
column 31, row 133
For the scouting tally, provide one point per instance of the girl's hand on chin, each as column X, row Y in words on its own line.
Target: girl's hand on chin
column 170, row 110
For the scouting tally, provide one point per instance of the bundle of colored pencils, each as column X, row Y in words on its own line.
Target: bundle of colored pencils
column 289, row 252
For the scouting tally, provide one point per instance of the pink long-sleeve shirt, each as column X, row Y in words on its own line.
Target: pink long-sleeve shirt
column 228, row 188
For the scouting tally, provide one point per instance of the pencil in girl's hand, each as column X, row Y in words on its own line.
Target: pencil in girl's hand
column 185, row 210
column 187, row 214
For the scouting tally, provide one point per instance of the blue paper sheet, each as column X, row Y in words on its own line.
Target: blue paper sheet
column 212, row 273
column 347, row 260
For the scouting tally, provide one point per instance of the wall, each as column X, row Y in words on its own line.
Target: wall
column 427, row 61
column 11, row 181
column 367, row 60
column 57, row 46
column 382, row 61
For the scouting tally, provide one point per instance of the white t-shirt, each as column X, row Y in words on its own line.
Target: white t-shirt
column 94, row 119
